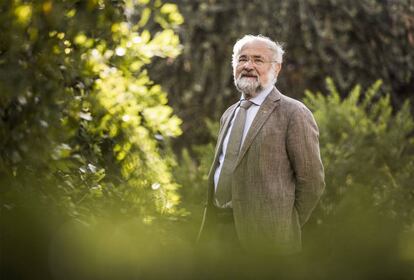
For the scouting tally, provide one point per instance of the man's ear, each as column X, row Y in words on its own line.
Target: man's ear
column 278, row 68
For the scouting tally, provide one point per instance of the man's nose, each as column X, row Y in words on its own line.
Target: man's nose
column 248, row 65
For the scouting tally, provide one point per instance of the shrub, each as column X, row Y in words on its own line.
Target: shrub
column 367, row 150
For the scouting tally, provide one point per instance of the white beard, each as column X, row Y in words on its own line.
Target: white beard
column 250, row 87
column 247, row 86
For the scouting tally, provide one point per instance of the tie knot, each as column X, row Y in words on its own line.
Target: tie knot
column 245, row 104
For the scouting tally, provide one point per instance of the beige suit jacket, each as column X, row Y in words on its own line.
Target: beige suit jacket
column 278, row 178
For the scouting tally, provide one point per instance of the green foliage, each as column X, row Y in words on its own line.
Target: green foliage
column 192, row 173
column 82, row 125
column 365, row 214
column 367, row 150
column 192, row 170
column 84, row 131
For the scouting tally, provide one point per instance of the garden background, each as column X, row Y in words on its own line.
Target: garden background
column 109, row 111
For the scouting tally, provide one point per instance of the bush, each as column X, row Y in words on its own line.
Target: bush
column 365, row 217
column 84, row 132
column 367, row 149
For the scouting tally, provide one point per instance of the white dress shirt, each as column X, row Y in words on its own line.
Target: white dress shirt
column 250, row 115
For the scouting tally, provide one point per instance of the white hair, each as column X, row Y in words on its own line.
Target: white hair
column 275, row 47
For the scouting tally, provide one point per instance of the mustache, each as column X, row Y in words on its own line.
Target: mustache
column 247, row 74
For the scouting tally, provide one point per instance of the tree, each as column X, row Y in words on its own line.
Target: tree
column 84, row 131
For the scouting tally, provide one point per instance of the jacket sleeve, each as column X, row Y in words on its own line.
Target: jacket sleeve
column 304, row 156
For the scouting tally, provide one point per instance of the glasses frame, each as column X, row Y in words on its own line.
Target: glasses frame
column 255, row 60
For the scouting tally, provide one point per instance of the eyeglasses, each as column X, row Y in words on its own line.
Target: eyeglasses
column 256, row 60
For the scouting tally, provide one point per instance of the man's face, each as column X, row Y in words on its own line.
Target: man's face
column 254, row 69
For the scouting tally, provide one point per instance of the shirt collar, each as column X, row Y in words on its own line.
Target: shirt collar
column 258, row 99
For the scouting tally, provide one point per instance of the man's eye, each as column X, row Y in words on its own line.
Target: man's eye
column 259, row 61
column 242, row 59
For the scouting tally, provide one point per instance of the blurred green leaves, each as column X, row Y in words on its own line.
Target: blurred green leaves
column 82, row 124
column 84, row 131
column 23, row 14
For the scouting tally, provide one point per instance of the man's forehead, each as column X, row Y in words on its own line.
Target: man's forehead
column 256, row 48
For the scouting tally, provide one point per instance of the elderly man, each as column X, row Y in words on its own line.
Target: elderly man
column 267, row 174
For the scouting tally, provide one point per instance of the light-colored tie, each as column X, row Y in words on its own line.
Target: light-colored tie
column 223, row 193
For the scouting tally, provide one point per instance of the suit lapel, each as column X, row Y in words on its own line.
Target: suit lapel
column 269, row 104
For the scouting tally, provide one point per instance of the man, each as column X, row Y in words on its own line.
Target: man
column 267, row 174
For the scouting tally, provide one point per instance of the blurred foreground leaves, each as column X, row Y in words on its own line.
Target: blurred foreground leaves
column 84, row 132
column 82, row 124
